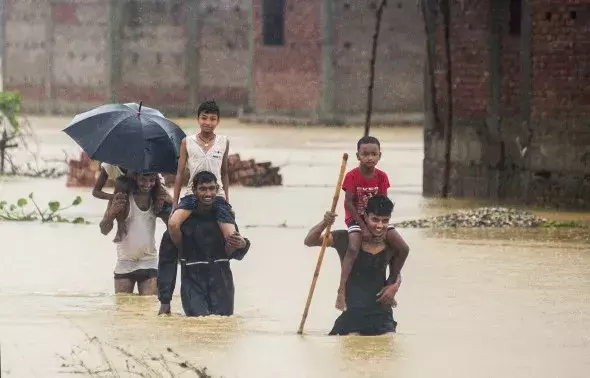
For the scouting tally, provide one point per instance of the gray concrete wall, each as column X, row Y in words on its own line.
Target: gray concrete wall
column 400, row 56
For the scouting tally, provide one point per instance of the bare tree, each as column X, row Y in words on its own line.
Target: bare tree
column 378, row 16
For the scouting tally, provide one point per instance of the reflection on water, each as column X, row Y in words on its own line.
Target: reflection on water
column 473, row 303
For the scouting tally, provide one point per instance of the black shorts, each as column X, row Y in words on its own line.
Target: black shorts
column 138, row 275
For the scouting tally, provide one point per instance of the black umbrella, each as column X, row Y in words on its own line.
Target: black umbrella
column 132, row 136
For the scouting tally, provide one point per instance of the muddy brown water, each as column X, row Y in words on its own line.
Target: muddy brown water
column 474, row 303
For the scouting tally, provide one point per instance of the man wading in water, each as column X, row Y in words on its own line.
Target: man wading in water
column 207, row 286
column 369, row 294
column 137, row 259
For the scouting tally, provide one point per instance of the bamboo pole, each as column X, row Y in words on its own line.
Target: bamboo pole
column 324, row 244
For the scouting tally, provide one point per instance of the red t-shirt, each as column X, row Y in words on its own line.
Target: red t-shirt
column 363, row 188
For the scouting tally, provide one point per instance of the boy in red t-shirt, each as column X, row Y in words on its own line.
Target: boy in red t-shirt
column 360, row 184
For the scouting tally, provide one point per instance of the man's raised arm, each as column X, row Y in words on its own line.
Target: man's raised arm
column 315, row 237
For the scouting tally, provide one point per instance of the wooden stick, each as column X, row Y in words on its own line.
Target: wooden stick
column 324, row 244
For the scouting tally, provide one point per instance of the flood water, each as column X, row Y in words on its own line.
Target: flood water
column 474, row 303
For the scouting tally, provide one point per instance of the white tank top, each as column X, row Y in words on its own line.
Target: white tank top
column 198, row 160
column 137, row 250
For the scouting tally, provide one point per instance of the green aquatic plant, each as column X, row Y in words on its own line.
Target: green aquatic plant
column 22, row 211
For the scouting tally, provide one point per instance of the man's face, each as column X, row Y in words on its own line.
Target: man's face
column 369, row 154
column 146, row 182
column 377, row 224
column 208, row 122
column 206, row 192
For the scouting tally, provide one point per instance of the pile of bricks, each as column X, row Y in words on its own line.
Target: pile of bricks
column 83, row 172
column 243, row 172
column 250, row 173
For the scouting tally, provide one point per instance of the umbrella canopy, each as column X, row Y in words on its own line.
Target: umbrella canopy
column 132, row 136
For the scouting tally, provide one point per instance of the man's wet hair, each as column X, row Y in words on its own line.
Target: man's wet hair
column 367, row 140
column 204, row 177
column 379, row 205
column 208, row 107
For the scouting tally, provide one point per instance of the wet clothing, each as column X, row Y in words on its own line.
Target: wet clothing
column 139, row 275
column 137, row 250
column 207, row 286
column 198, row 160
column 363, row 188
column 364, row 315
column 221, row 207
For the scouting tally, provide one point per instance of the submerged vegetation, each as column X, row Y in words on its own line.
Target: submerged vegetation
column 117, row 361
column 22, row 210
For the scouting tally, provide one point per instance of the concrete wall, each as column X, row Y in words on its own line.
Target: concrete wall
column 400, row 56
column 224, row 50
column 56, row 52
column 519, row 88
column 66, row 56
column 152, row 54
column 70, row 55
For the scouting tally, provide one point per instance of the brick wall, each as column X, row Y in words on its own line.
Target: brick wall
column 555, row 168
column 287, row 78
column 560, row 102
column 400, row 56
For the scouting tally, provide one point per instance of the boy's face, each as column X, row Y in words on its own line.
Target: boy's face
column 206, row 192
column 208, row 122
column 369, row 155
column 377, row 224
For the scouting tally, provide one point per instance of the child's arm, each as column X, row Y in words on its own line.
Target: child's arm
column 349, row 187
column 225, row 172
column 351, row 207
column 384, row 184
column 97, row 192
column 179, row 172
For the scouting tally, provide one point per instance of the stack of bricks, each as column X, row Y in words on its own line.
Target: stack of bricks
column 83, row 172
column 243, row 172
column 250, row 173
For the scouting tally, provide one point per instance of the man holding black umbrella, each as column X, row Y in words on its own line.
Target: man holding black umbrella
column 137, row 256
column 140, row 140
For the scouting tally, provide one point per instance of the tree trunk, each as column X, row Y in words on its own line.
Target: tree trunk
column 448, row 127
column 379, row 15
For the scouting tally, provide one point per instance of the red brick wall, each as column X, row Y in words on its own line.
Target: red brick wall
column 470, row 66
column 561, row 58
column 288, row 78
column 556, row 167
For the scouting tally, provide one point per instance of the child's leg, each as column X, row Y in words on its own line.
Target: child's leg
column 174, row 227
column 185, row 208
column 225, row 218
column 122, row 185
column 354, row 245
